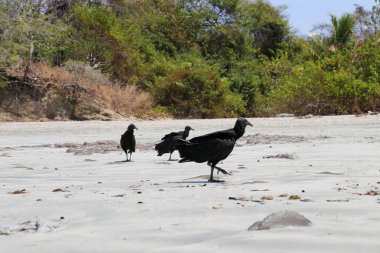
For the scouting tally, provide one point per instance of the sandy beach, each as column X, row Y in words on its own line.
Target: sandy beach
column 66, row 188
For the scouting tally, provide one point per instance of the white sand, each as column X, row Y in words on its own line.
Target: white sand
column 179, row 212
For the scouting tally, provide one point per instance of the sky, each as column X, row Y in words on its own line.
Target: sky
column 304, row 14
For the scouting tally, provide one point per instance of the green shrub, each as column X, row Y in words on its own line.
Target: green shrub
column 311, row 89
column 348, row 94
column 193, row 88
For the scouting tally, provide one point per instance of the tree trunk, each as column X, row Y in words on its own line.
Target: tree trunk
column 30, row 60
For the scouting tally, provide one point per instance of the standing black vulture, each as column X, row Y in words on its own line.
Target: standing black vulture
column 212, row 148
column 128, row 142
column 170, row 141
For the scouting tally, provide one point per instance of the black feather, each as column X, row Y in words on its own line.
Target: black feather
column 128, row 141
column 170, row 141
column 212, row 148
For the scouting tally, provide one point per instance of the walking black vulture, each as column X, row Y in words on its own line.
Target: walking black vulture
column 170, row 141
column 212, row 148
column 128, row 142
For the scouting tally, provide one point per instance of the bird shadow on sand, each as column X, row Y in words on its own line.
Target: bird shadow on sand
column 118, row 162
column 198, row 182
column 162, row 163
column 203, row 179
column 167, row 161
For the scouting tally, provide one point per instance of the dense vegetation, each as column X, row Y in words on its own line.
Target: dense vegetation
column 202, row 58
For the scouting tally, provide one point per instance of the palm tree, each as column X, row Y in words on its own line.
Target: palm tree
column 342, row 29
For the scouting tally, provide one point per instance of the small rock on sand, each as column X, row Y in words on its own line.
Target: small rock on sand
column 28, row 226
column 279, row 220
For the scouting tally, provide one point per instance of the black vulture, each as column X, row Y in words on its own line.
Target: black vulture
column 170, row 141
column 128, row 142
column 212, row 148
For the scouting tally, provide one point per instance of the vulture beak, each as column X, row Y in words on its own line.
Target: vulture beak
column 192, row 129
column 249, row 123
column 136, row 128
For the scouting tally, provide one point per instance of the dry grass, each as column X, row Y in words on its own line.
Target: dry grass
column 128, row 100
column 53, row 74
column 125, row 100
column 101, row 92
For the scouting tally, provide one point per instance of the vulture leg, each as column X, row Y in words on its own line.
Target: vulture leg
column 127, row 156
column 212, row 173
column 130, row 156
column 170, row 158
column 222, row 170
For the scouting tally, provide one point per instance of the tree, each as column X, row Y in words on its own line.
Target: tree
column 265, row 25
column 342, row 29
column 368, row 22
